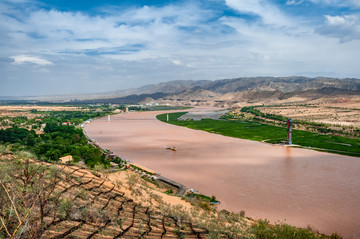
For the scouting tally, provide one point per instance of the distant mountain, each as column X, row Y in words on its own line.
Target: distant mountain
column 194, row 94
column 128, row 96
column 130, row 99
column 283, row 84
column 256, row 89
column 166, row 87
column 230, row 91
column 223, row 92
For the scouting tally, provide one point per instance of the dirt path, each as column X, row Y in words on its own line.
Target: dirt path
column 296, row 186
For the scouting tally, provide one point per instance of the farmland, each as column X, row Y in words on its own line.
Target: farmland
column 259, row 131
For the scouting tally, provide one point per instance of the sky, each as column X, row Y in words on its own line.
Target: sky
column 52, row 47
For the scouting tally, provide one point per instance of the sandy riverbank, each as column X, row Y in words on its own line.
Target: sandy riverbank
column 298, row 186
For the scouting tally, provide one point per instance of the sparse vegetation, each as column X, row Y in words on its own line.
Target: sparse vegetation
column 38, row 200
column 262, row 229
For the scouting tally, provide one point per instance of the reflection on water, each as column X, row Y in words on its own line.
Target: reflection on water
column 287, row 154
column 199, row 114
column 288, row 164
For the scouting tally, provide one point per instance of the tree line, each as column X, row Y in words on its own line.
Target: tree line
column 58, row 140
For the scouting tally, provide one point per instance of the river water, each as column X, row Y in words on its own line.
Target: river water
column 296, row 186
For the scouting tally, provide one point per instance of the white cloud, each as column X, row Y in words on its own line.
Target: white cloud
column 333, row 3
column 335, row 20
column 345, row 28
column 30, row 59
column 294, row 2
column 350, row 20
column 351, row 3
column 269, row 13
column 136, row 46
column 176, row 62
column 161, row 29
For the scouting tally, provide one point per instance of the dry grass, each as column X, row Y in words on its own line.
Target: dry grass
column 53, row 201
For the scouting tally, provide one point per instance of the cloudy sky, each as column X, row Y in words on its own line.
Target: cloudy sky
column 66, row 47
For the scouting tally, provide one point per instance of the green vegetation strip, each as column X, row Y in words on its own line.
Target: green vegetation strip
column 313, row 126
column 257, row 131
column 57, row 140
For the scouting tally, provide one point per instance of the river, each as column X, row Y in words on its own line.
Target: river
column 297, row 186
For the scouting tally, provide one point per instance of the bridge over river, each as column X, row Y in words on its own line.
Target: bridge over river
column 297, row 186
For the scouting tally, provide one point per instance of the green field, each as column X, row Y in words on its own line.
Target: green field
column 254, row 130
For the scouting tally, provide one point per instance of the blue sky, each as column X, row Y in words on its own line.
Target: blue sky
column 68, row 47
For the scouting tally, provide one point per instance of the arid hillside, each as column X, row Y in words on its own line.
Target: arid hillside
column 248, row 90
column 41, row 200
column 224, row 92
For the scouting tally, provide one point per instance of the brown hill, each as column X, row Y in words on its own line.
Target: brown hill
column 193, row 94
column 283, row 84
column 41, row 200
column 228, row 92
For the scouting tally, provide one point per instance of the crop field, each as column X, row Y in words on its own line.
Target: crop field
column 253, row 130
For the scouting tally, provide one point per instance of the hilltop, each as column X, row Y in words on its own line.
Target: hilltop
column 230, row 92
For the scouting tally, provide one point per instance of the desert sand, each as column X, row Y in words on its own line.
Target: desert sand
column 297, row 186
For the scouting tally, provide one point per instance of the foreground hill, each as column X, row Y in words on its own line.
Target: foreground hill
column 42, row 200
column 70, row 202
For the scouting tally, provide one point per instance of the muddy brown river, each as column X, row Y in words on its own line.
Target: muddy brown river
column 296, row 186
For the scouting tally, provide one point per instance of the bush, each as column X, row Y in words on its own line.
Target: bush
column 205, row 206
column 26, row 155
column 263, row 230
column 242, row 213
column 65, row 207
column 4, row 149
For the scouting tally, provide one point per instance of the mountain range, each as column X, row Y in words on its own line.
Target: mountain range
column 231, row 91
column 224, row 92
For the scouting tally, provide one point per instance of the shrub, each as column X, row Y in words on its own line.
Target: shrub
column 242, row 213
column 264, row 230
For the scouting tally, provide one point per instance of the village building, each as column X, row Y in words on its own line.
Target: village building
column 117, row 111
column 66, row 159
